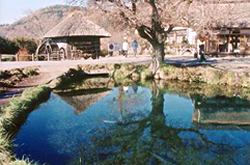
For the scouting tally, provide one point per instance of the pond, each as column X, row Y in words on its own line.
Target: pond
column 137, row 125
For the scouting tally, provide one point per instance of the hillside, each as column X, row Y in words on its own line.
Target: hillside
column 38, row 23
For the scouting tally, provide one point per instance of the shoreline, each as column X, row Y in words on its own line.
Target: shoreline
column 51, row 70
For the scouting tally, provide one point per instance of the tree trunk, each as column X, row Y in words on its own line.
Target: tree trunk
column 157, row 56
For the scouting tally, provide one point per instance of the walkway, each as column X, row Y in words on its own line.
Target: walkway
column 51, row 69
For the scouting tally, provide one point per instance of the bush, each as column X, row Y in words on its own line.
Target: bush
column 8, row 46
column 23, row 54
column 12, row 47
column 28, row 43
column 104, row 52
column 146, row 74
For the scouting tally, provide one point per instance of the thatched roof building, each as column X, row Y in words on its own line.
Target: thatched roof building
column 76, row 25
column 75, row 38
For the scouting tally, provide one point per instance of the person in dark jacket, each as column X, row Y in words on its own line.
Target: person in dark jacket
column 201, row 48
column 135, row 46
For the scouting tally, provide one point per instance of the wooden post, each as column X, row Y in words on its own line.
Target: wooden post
column 17, row 57
column 48, row 56
column 33, row 57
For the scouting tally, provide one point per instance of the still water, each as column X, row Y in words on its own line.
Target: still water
column 136, row 125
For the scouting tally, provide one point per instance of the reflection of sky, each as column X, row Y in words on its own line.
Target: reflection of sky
column 54, row 131
column 178, row 111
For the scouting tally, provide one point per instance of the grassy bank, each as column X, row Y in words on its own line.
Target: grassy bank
column 119, row 73
column 138, row 72
column 204, row 74
column 13, row 115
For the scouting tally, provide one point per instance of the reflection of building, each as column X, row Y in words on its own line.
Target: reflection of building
column 81, row 101
column 221, row 110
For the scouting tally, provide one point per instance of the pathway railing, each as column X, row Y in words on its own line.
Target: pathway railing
column 16, row 57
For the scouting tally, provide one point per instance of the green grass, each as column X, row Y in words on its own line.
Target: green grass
column 12, row 117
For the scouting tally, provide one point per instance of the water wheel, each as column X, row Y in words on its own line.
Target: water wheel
column 62, row 54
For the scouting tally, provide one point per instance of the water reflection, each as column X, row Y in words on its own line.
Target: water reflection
column 136, row 125
column 221, row 110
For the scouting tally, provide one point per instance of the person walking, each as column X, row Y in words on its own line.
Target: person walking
column 135, row 46
column 125, row 48
column 201, row 48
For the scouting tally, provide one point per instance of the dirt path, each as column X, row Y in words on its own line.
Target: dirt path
column 51, row 69
column 230, row 63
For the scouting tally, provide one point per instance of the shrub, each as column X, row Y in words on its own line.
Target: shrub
column 104, row 52
column 28, row 43
column 146, row 74
column 23, row 54
column 7, row 46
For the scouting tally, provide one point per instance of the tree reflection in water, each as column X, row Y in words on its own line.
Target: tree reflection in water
column 148, row 140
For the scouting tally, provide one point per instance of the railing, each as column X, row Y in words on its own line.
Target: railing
column 16, row 56
column 33, row 57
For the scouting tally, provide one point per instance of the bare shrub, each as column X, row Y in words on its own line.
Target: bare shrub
column 23, row 55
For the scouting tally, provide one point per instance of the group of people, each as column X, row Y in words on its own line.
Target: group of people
column 200, row 48
column 125, row 47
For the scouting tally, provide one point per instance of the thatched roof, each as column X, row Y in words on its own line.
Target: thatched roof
column 76, row 25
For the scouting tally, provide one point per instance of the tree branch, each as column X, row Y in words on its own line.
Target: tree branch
column 146, row 33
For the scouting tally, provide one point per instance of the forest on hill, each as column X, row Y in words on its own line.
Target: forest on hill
column 36, row 24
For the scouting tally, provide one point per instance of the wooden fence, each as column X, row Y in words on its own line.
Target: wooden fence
column 16, row 57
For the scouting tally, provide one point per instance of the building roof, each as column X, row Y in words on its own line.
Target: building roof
column 76, row 25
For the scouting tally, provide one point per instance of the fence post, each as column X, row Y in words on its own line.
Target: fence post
column 48, row 56
column 33, row 57
column 17, row 57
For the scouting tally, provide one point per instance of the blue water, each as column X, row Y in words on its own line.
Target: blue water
column 127, row 126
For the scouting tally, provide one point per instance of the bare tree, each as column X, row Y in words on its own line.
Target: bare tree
column 37, row 24
column 155, row 19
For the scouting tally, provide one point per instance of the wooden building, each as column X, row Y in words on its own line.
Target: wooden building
column 229, row 40
column 73, row 38
column 229, row 26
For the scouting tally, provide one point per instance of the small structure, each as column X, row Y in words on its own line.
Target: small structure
column 73, row 38
column 181, row 39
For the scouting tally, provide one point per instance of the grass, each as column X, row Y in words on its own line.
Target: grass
column 135, row 72
column 206, row 75
column 13, row 115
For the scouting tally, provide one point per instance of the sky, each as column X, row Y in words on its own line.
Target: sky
column 12, row 10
